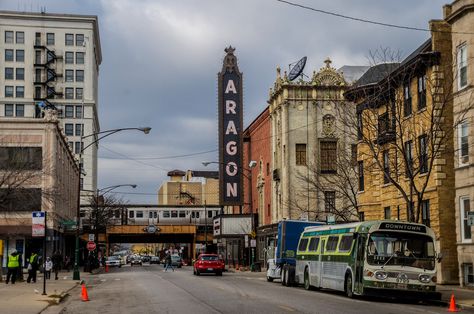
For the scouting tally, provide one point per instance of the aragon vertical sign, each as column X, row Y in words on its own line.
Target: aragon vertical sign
column 230, row 130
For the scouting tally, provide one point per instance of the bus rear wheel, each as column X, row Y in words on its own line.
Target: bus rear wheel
column 348, row 286
column 307, row 286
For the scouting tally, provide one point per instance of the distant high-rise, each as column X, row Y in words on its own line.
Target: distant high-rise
column 52, row 60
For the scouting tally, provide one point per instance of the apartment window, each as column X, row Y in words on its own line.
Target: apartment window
column 79, row 75
column 408, row 158
column 422, row 141
column 20, row 92
column 361, row 175
column 383, row 124
column 79, row 57
column 425, row 212
column 386, row 212
column 139, row 213
column 79, row 93
column 406, row 99
column 463, row 142
column 69, row 129
column 301, row 154
column 69, row 111
column 8, row 91
column 69, row 93
column 468, row 271
column 69, row 57
column 69, row 39
column 20, row 37
column 20, row 55
column 78, row 146
column 462, row 66
column 465, row 207
column 37, row 57
column 8, row 54
column 37, row 92
column 8, row 110
column 78, row 112
column 20, row 110
column 9, row 73
column 329, row 201
column 37, row 75
column 422, row 91
column 9, row 37
column 69, row 75
column 79, row 129
column 80, row 40
column 20, row 74
column 50, row 39
column 360, row 126
column 386, row 167
column 328, row 156
column 37, row 39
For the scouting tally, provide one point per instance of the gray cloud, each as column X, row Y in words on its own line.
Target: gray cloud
column 161, row 58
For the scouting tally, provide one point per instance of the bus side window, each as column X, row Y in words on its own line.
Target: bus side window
column 313, row 245
column 193, row 215
column 303, row 245
column 346, row 243
column 331, row 245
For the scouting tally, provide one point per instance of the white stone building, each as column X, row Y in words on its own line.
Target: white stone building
column 53, row 60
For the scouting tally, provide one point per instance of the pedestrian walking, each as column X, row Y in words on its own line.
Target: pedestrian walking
column 67, row 263
column 57, row 259
column 32, row 267
column 13, row 266
column 48, row 265
column 168, row 263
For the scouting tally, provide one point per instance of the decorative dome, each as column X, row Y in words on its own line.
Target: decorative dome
column 328, row 76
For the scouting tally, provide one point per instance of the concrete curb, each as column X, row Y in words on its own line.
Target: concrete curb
column 62, row 297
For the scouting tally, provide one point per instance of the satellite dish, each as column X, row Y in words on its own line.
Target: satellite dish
column 297, row 69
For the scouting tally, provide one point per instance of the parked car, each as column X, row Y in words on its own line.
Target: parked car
column 208, row 263
column 176, row 261
column 113, row 261
column 136, row 260
column 154, row 260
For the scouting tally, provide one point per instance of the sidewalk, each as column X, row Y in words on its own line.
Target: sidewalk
column 26, row 298
column 464, row 297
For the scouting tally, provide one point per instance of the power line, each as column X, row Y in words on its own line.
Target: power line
column 411, row 28
column 170, row 157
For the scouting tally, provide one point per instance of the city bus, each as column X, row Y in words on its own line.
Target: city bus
column 367, row 258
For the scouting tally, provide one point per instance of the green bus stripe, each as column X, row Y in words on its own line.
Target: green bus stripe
column 326, row 232
column 326, row 258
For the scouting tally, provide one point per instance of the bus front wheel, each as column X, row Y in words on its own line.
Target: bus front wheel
column 348, row 286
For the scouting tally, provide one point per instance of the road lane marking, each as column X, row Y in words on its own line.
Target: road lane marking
column 117, row 278
column 286, row 308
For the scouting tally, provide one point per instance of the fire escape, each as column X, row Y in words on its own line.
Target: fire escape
column 46, row 78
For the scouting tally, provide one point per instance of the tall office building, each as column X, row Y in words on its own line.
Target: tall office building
column 52, row 60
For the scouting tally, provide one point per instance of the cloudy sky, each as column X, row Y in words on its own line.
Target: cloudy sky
column 161, row 58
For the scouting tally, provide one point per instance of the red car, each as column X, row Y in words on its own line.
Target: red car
column 209, row 263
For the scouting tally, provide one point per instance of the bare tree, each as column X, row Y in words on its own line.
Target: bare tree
column 402, row 139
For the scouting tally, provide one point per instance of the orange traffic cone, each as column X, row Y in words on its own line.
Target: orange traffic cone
column 85, row 297
column 106, row 268
column 452, row 305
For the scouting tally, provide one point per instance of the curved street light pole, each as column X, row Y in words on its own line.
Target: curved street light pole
column 76, row 275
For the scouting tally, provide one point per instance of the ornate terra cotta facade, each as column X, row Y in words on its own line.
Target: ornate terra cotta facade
column 306, row 137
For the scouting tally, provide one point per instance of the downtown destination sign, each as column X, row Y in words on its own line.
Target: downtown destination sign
column 230, row 131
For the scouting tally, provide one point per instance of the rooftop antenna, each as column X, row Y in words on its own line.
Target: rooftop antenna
column 297, row 69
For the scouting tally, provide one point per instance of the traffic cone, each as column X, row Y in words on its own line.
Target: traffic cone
column 106, row 268
column 84, row 295
column 452, row 305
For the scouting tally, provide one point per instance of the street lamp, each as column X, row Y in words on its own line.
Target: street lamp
column 102, row 134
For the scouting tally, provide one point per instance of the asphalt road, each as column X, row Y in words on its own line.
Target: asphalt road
column 148, row 289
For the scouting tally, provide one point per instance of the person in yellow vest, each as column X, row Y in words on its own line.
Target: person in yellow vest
column 13, row 266
column 32, row 268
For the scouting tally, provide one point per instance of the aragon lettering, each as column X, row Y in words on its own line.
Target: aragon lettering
column 230, row 87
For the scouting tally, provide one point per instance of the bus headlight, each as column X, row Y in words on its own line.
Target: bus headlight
column 424, row 278
column 381, row 275
column 434, row 278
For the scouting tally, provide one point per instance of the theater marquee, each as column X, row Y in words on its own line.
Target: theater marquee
column 230, row 131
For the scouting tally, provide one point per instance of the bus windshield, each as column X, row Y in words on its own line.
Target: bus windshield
column 403, row 249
